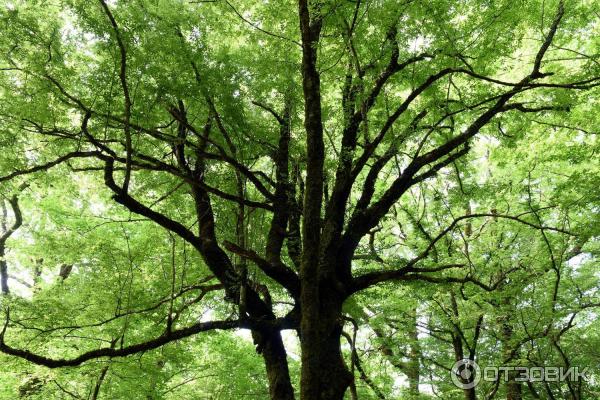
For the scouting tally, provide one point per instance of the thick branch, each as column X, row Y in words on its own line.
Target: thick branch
column 277, row 271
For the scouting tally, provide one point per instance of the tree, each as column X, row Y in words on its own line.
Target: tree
column 272, row 142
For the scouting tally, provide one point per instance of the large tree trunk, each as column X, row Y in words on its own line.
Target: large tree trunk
column 317, row 336
column 333, row 378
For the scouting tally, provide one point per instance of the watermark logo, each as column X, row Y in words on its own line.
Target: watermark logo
column 466, row 374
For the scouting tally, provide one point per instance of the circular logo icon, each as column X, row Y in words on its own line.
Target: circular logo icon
column 465, row 374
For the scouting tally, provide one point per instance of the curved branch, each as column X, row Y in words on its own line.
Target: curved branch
column 44, row 167
column 138, row 208
column 122, row 352
column 279, row 272
column 14, row 203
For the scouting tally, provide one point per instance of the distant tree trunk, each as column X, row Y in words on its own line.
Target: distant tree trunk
column 412, row 367
column 65, row 271
column 3, row 270
column 37, row 273
column 470, row 393
column 3, row 266
column 5, row 234
column 457, row 344
column 513, row 388
column 413, row 370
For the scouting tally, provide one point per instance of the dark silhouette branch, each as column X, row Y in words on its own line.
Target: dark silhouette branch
column 168, row 337
column 44, row 167
column 127, row 99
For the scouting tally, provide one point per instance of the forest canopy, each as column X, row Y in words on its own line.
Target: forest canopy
column 312, row 199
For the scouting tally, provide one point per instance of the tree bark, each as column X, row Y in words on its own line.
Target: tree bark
column 5, row 234
column 99, row 382
column 333, row 376
column 457, row 345
column 513, row 388
column 3, row 270
column 413, row 370
column 276, row 365
column 319, row 344
column 470, row 393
